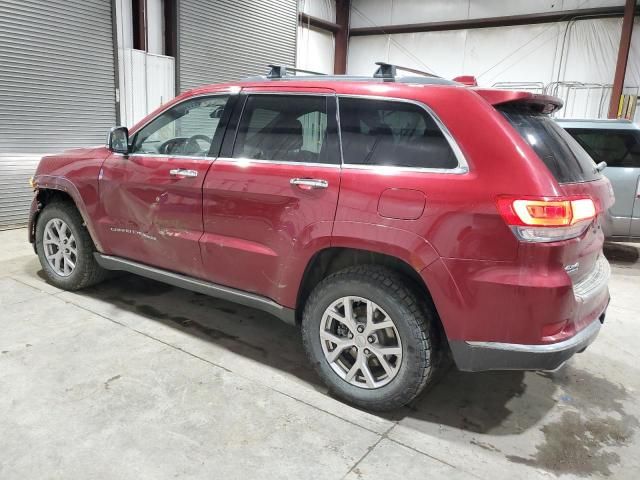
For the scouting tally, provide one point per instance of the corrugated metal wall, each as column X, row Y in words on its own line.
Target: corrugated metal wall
column 229, row 40
column 57, row 88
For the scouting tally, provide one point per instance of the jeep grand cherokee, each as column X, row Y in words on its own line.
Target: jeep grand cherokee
column 397, row 220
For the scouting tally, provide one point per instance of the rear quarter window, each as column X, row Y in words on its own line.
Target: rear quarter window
column 563, row 156
column 392, row 133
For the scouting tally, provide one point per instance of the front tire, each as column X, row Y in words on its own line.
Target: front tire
column 370, row 338
column 65, row 248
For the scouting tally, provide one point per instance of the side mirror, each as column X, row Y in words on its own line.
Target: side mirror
column 118, row 140
column 217, row 112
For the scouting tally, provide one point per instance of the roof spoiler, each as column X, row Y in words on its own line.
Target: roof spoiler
column 537, row 102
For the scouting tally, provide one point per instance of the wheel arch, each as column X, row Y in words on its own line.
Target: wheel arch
column 332, row 259
column 59, row 192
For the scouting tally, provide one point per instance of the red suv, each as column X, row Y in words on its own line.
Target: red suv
column 398, row 220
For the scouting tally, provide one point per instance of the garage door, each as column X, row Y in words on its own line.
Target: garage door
column 229, row 40
column 57, row 88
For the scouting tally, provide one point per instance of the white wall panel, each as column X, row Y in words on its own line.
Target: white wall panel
column 512, row 54
column 575, row 4
column 124, row 22
column 315, row 50
column 441, row 53
column 324, row 9
column 368, row 13
column 138, row 92
column 633, row 66
column 149, row 80
column 497, row 8
column 155, row 26
column 365, row 51
column 422, row 11
column 464, row 52
column 582, row 51
column 160, row 80
column 523, row 53
column 591, row 50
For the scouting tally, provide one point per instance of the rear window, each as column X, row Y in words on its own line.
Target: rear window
column 619, row 148
column 563, row 156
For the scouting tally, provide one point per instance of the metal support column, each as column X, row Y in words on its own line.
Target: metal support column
column 341, row 36
column 623, row 56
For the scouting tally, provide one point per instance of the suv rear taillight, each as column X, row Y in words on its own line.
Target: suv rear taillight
column 548, row 219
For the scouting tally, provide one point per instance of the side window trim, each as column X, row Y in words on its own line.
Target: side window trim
column 218, row 134
column 221, row 130
column 333, row 138
column 463, row 166
column 226, row 151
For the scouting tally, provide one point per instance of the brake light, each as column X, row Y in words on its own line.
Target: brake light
column 468, row 80
column 547, row 219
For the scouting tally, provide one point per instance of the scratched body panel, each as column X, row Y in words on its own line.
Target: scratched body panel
column 149, row 215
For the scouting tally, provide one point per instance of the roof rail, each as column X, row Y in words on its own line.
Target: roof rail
column 388, row 71
column 385, row 73
column 281, row 71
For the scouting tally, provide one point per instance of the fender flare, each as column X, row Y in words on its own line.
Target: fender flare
column 63, row 184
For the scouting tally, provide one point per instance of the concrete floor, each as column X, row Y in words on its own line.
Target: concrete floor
column 135, row 379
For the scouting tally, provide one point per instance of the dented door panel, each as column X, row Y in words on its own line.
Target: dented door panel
column 151, row 215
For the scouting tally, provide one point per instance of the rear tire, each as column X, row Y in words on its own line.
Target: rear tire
column 376, row 297
column 65, row 248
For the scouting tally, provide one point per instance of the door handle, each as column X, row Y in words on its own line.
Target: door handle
column 181, row 172
column 309, row 183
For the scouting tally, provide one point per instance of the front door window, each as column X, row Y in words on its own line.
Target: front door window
column 187, row 129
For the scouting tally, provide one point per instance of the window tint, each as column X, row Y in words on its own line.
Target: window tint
column 619, row 148
column 289, row 128
column 382, row 132
column 186, row 129
column 563, row 156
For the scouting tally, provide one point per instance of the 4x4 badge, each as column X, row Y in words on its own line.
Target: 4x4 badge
column 572, row 268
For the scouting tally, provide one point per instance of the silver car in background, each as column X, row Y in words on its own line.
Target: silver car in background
column 616, row 142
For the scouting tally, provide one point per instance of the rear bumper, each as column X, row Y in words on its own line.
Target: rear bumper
column 479, row 356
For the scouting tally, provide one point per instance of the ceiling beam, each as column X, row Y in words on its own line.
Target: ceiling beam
column 316, row 22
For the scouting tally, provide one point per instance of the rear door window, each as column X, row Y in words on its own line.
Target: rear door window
column 563, row 156
column 384, row 132
column 291, row 128
column 619, row 148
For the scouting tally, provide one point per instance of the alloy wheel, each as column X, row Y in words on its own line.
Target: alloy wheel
column 360, row 342
column 60, row 248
